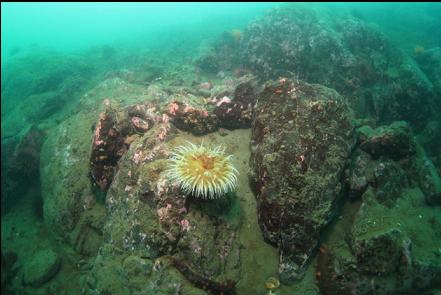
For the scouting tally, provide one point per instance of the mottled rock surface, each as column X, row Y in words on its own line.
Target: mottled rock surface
column 301, row 140
column 237, row 113
column 394, row 141
column 66, row 186
column 117, row 127
column 230, row 106
column 195, row 120
column 381, row 250
column 149, row 217
column 345, row 54
column 428, row 178
column 44, row 265
column 64, row 173
column 380, row 244
column 389, row 158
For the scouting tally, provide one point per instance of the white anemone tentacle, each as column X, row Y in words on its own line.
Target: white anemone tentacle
column 202, row 171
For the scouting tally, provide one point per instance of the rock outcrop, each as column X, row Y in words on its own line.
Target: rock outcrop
column 301, row 140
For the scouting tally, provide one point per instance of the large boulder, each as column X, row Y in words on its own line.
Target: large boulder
column 230, row 106
column 389, row 158
column 302, row 137
column 113, row 152
column 115, row 130
column 20, row 164
column 44, row 266
column 344, row 53
column 66, row 186
column 149, row 219
column 394, row 141
column 380, row 250
column 387, row 239
column 64, row 173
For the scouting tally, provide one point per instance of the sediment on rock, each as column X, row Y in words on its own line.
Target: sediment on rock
column 301, row 140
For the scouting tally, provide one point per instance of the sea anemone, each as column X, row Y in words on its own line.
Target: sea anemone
column 202, row 171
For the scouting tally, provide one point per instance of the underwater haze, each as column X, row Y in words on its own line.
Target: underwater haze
column 75, row 26
column 220, row 148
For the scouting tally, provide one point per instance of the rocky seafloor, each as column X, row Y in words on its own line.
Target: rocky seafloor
column 335, row 133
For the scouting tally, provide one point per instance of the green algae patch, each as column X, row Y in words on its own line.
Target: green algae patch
column 44, row 265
